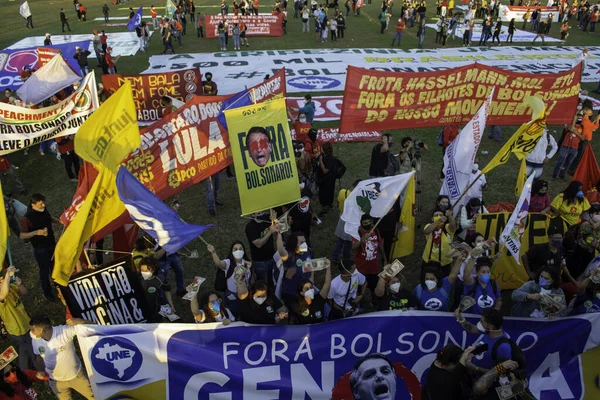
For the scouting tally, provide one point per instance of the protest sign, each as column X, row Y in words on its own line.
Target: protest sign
column 181, row 149
column 375, row 100
column 506, row 271
column 258, row 25
column 314, row 361
column 24, row 127
column 148, row 89
column 46, row 54
column 108, row 295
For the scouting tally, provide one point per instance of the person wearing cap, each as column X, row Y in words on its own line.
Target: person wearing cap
column 81, row 56
column 308, row 109
column 64, row 20
column 47, row 41
column 209, row 88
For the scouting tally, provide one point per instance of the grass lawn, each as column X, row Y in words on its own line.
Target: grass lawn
column 45, row 174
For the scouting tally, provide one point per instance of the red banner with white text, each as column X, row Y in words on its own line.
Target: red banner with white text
column 258, row 25
column 46, row 54
column 148, row 89
column 377, row 100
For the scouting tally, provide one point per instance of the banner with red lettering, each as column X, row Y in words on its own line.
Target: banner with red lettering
column 46, row 54
column 258, row 25
column 182, row 149
column 377, row 100
column 149, row 88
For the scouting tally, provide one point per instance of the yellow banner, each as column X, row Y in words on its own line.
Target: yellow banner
column 525, row 138
column 591, row 373
column 111, row 133
column 506, row 271
column 101, row 206
column 405, row 240
column 263, row 156
column 3, row 229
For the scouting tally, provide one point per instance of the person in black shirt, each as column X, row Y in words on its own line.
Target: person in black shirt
column 379, row 157
column 36, row 226
column 259, row 232
column 309, row 308
column 155, row 290
column 549, row 254
column 302, row 213
column 447, row 377
column 258, row 305
column 392, row 296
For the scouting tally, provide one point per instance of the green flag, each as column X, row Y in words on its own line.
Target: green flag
column 170, row 9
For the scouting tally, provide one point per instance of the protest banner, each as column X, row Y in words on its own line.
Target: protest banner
column 375, row 100
column 507, row 273
column 24, row 127
column 258, row 25
column 148, row 89
column 333, row 135
column 263, row 156
column 46, row 54
column 324, row 70
column 517, row 12
column 108, row 295
column 314, row 361
column 181, row 149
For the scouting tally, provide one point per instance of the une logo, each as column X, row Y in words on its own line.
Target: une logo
column 314, row 82
column 116, row 358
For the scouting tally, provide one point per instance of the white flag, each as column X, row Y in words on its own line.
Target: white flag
column 374, row 197
column 511, row 235
column 49, row 79
column 460, row 156
column 24, row 10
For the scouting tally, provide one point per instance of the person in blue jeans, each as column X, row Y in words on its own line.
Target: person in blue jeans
column 260, row 233
column 173, row 261
column 568, row 151
column 495, row 132
column 213, row 184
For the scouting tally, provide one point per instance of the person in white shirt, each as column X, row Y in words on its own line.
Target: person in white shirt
column 479, row 183
column 347, row 291
column 55, row 345
column 540, row 155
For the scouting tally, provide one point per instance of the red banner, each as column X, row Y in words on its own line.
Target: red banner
column 258, row 25
column 333, row 135
column 270, row 89
column 377, row 100
column 149, row 88
column 46, row 54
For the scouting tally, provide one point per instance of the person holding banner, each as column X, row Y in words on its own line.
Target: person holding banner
column 295, row 253
column 259, row 305
column 439, row 235
column 526, row 298
column 483, row 289
column 210, row 309
column 309, row 306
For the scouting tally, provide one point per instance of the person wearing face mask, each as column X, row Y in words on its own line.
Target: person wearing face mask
column 467, row 217
column 258, row 305
column 347, row 291
column 301, row 126
column 483, row 289
column 155, row 290
column 209, row 88
column 303, row 163
column 439, row 234
column 36, row 226
column 478, row 182
column 224, row 281
column 433, row 292
column 392, row 296
column 309, row 307
column 17, row 383
column 588, row 300
column 442, row 203
column 368, row 251
column 587, row 242
column 540, row 200
column 210, row 308
column 260, row 232
column 447, row 377
column 380, row 156
column 570, row 204
column 329, row 169
column 526, row 298
column 308, row 109
column 294, row 254
column 301, row 213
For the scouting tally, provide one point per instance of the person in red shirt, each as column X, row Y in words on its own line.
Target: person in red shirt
column 83, row 11
column 66, row 149
column 593, row 195
column 313, row 146
column 400, row 26
column 103, row 40
column 301, row 126
column 7, row 95
column 587, row 129
column 368, row 251
column 17, row 383
column 153, row 15
column 568, row 151
column 243, row 30
column 6, row 169
column 110, row 61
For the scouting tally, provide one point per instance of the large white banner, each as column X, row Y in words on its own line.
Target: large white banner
column 325, row 69
column 122, row 43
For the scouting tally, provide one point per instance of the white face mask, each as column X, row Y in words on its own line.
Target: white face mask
column 310, row 293
column 259, row 300
column 480, row 327
column 596, row 218
column 395, row 287
column 302, row 120
column 475, row 167
column 147, row 275
column 430, row 284
column 547, row 291
column 303, row 248
column 302, row 185
column 238, row 254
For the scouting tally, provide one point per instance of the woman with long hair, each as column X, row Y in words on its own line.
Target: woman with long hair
column 570, row 204
column 540, row 200
column 210, row 308
column 309, row 307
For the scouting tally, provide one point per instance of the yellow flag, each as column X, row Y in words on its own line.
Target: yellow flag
column 101, row 206
column 3, row 229
column 405, row 240
column 521, row 178
column 111, row 132
column 525, row 138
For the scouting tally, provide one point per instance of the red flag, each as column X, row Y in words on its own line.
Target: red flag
column 588, row 173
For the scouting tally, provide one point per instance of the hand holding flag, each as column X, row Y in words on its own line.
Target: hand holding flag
column 136, row 20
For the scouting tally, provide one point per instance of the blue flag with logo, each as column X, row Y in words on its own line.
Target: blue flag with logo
column 153, row 216
column 241, row 99
column 136, row 20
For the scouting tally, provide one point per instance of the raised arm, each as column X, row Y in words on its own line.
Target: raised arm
column 468, row 272
column 327, row 284
column 218, row 262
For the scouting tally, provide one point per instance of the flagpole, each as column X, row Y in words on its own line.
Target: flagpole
column 466, row 191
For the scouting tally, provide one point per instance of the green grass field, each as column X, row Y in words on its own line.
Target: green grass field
column 45, row 174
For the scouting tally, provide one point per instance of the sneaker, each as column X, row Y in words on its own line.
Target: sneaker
column 219, row 203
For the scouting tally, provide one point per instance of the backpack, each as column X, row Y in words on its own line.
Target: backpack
column 517, row 353
column 221, row 278
column 393, row 165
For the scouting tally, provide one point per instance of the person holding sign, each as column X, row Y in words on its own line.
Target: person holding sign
column 309, row 306
column 527, row 299
column 154, row 288
column 210, row 309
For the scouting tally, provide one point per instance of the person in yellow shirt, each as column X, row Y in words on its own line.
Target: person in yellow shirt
column 439, row 234
column 570, row 204
column 450, row 8
column 16, row 320
column 344, row 241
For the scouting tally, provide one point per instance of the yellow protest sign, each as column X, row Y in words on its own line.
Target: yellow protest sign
column 263, row 156
column 507, row 273
column 591, row 373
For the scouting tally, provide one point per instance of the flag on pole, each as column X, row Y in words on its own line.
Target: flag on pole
column 374, row 197
column 241, row 99
column 136, row 20
column 521, row 178
column 525, row 138
column 153, row 216
column 460, row 157
column 3, row 229
column 111, row 133
column 511, row 235
column 405, row 240
column 588, row 172
column 170, row 9
column 24, row 10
